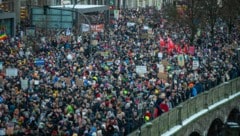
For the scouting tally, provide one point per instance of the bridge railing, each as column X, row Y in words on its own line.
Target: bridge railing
column 176, row 116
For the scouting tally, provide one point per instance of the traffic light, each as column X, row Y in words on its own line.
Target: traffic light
column 23, row 13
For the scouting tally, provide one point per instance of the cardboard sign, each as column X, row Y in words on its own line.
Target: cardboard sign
column 116, row 14
column 163, row 76
column 94, row 42
column 67, row 81
column 10, row 128
column 129, row 24
column 105, row 54
column 144, row 36
column 85, row 27
column 161, row 68
column 39, row 62
column 97, row 28
column 1, row 81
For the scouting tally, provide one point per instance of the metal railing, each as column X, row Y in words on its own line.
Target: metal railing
column 176, row 116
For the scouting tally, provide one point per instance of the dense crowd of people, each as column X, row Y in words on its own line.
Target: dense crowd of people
column 95, row 90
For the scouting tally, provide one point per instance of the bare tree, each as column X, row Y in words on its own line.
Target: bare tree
column 211, row 9
column 189, row 18
column 230, row 12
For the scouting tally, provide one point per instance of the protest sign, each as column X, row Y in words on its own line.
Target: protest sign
column 97, row 28
column 11, row 72
column 141, row 70
column 39, row 62
column 94, row 42
column 161, row 68
column 24, row 84
column 165, row 63
column 163, row 76
column 79, row 82
column 195, row 64
column 181, row 60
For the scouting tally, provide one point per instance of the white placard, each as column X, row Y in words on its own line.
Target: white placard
column 24, row 84
column 160, row 55
column 85, row 27
column 145, row 27
column 36, row 82
column 11, row 72
column 129, row 24
column 141, row 70
column 195, row 64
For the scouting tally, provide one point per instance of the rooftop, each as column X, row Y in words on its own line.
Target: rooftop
column 83, row 8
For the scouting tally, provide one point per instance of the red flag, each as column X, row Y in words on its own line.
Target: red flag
column 178, row 49
column 170, row 45
column 162, row 42
column 185, row 49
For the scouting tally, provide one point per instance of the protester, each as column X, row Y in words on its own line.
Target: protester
column 74, row 88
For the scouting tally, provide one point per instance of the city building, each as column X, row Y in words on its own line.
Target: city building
column 8, row 16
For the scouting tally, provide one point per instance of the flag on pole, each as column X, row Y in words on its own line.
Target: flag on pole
column 3, row 36
column 162, row 43
column 171, row 45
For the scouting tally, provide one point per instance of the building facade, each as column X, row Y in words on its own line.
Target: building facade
column 9, row 16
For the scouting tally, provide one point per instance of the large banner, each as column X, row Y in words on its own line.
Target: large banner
column 85, row 27
column 195, row 64
column 94, row 28
column 129, row 24
column 24, row 83
column 97, row 28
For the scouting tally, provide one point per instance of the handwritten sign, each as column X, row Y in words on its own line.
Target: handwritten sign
column 141, row 70
column 11, row 72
